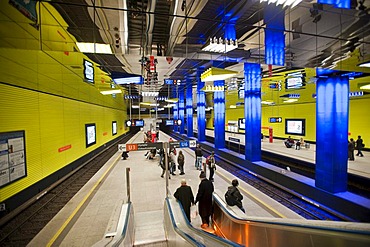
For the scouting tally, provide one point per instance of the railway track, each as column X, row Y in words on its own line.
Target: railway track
column 306, row 209
column 23, row 227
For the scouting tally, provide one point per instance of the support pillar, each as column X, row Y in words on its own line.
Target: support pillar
column 252, row 111
column 182, row 111
column 201, row 107
column 219, row 115
column 189, row 108
column 332, row 103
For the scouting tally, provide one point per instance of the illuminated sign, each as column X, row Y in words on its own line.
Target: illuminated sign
column 275, row 119
column 88, row 71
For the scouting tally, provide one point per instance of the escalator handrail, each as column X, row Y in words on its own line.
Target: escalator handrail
column 281, row 222
column 125, row 227
column 200, row 232
column 181, row 233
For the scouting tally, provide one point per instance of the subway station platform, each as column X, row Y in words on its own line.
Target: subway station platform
column 360, row 166
column 91, row 217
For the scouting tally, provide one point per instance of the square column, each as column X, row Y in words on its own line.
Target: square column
column 332, row 103
column 189, row 108
column 219, row 115
column 182, row 111
column 201, row 107
column 252, row 111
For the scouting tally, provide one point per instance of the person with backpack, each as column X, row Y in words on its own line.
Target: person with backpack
column 233, row 196
column 211, row 162
column 198, row 157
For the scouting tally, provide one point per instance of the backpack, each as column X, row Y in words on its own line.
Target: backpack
column 229, row 198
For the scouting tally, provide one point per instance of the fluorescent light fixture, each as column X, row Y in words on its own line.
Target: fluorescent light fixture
column 129, row 80
column 94, row 48
column 267, row 102
column 169, row 105
column 233, row 106
column 216, row 74
column 160, row 109
column 365, row 87
column 220, row 45
column 135, row 107
column 366, row 64
column 291, row 3
column 173, row 100
column 210, row 88
column 150, row 94
column 290, row 100
column 107, row 92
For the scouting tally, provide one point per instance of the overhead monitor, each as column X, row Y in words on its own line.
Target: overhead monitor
column 169, row 122
column 241, row 123
column 295, row 127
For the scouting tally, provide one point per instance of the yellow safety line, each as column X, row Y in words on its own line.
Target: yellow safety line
column 55, row 237
column 255, row 198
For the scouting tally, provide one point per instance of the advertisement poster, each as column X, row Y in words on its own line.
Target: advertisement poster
column 12, row 157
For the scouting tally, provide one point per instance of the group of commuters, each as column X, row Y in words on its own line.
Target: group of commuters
column 151, row 136
column 289, row 143
column 185, row 196
column 210, row 161
column 355, row 145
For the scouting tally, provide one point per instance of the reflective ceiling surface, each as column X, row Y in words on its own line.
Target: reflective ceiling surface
column 174, row 32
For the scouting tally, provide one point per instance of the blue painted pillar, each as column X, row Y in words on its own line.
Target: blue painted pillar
column 182, row 110
column 219, row 115
column 252, row 111
column 201, row 107
column 332, row 102
column 189, row 108
column 176, row 115
column 274, row 34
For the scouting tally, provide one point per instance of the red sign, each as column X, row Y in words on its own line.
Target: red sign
column 64, row 148
column 152, row 66
column 131, row 147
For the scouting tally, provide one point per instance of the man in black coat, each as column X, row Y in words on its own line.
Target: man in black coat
column 204, row 197
column 185, row 196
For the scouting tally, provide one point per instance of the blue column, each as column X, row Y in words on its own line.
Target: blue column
column 252, row 111
column 189, row 107
column 332, row 133
column 182, row 110
column 201, row 107
column 176, row 115
column 274, row 35
column 219, row 115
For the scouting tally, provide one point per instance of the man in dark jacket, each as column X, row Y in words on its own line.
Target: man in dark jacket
column 198, row 157
column 359, row 146
column 204, row 197
column 184, row 195
column 234, row 192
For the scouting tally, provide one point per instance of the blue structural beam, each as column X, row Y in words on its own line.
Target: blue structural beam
column 182, row 111
column 201, row 107
column 332, row 102
column 219, row 115
column 189, row 107
column 274, row 35
column 175, row 116
column 252, row 111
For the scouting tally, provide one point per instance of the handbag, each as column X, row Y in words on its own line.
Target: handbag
column 193, row 212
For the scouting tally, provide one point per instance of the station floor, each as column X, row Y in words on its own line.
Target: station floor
column 94, row 211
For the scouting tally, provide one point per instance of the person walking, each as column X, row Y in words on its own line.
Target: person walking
column 198, row 157
column 204, row 197
column 211, row 162
column 359, row 146
column 181, row 162
column 185, row 196
column 351, row 149
column 233, row 195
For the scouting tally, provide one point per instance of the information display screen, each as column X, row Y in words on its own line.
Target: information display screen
column 114, row 128
column 295, row 126
column 90, row 132
column 241, row 123
column 169, row 122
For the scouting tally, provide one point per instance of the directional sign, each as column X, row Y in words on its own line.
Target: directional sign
column 192, row 143
column 174, row 144
column 143, row 146
column 184, row 144
column 122, row 147
column 234, row 139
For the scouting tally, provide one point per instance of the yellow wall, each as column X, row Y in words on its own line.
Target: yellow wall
column 42, row 92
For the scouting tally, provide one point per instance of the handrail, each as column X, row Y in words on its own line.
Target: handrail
column 278, row 232
column 206, row 238
column 184, row 235
column 124, row 235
